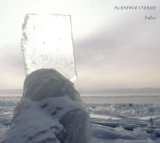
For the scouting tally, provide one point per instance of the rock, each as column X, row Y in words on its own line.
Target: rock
column 50, row 111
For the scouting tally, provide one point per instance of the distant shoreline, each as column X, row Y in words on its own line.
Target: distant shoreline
column 154, row 99
column 92, row 95
column 126, row 92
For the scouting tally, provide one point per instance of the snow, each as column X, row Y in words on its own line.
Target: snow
column 124, row 110
column 149, row 117
column 131, row 128
column 29, row 118
column 48, row 83
column 104, row 117
column 37, row 122
column 49, row 115
column 47, row 43
column 125, row 123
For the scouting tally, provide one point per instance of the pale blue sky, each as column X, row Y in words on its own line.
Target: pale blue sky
column 112, row 49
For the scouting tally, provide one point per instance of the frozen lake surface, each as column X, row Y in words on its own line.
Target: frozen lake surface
column 124, row 99
column 123, row 119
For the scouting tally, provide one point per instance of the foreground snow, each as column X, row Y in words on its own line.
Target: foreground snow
column 112, row 123
column 50, row 111
column 125, row 123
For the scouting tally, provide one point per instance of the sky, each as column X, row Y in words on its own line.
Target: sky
column 113, row 49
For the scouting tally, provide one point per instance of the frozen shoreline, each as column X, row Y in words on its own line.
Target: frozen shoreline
column 112, row 123
column 102, row 99
column 122, row 99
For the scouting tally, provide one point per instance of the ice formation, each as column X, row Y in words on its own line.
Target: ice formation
column 125, row 123
column 50, row 111
column 47, row 43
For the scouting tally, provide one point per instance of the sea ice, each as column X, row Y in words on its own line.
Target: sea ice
column 106, row 127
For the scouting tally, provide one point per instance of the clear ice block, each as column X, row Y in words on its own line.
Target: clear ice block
column 47, row 43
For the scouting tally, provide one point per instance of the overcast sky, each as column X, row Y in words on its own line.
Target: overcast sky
column 113, row 49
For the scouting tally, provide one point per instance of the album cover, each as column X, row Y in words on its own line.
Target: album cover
column 80, row 71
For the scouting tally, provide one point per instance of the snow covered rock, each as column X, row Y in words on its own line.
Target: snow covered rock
column 50, row 111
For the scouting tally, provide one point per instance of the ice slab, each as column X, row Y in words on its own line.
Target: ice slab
column 47, row 43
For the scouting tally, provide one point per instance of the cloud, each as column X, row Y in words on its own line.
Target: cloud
column 12, row 67
column 112, row 49
column 11, row 56
column 126, row 55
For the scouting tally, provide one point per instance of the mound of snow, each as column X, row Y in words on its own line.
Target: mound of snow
column 50, row 111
